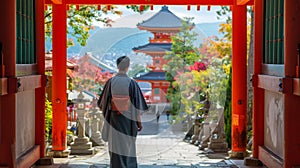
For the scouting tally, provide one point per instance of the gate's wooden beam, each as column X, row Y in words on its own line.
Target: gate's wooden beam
column 150, row 2
column 244, row 2
column 56, row 1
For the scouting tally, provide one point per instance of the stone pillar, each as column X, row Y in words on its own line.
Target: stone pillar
column 81, row 144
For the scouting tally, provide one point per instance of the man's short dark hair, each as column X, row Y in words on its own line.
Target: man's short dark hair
column 123, row 62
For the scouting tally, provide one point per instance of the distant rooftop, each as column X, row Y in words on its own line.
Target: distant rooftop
column 154, row 47
column 163, row 19
column 152, row 75
column 48, row 63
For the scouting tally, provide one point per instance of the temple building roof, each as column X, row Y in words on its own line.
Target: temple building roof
column 163, row 19
column 48, row 63
column 154, row 47
column 151, row 76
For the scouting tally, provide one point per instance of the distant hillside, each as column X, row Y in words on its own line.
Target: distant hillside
column 210, row 29
column 107, row 39
column 122, row 40
column 104, row 38
column 72, row 50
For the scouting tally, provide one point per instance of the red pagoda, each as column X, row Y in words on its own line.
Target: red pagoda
column 163, row 25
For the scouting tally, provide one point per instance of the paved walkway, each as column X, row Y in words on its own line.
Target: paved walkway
column 158, row 145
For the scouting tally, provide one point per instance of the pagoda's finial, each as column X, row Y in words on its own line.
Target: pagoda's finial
column 164, row 8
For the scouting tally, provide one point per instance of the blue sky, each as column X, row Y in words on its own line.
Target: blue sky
column 130, row 19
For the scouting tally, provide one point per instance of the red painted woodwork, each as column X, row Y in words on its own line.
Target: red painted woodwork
column 40, row 92
column 8, row 101
column 189, row 7
column 258, row 94
column 3, row 85
column 242, row 2
column 208, row 7
column 57, row 1
column 239, row 78
column 296, row 86
column 152, row 2
column 291, row 101
column 59, row 87
column 108, row 7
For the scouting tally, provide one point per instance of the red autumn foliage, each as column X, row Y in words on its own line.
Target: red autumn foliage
column 198, row 66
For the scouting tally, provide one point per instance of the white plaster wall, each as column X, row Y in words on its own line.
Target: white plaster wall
column 25, row 138
column 273, row 122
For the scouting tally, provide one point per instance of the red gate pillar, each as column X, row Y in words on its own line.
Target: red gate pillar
column 59, row 84
column 291, row 101
column 40, row 92
column 258, row 93
column 239, row 81
column 8, row 101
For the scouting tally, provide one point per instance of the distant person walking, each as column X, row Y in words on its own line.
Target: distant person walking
column 122, row 102
column 157, row 116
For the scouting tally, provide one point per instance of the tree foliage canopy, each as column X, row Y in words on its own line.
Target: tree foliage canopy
column 80, row 20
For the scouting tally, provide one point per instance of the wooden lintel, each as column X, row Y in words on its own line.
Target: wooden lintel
column 275, row 84
column 57, row 1
column 242, row 2
column 271, row 83
column 24, row 83
column 148, row 2
column 29, row 82
column 3, row 86
column 296, row 86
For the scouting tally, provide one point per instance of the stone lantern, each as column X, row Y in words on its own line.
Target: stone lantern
column 81, row 144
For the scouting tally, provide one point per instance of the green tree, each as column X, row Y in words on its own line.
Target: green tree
column 183, row 43
column 80, row 20
column 136, row 69
column 182, row 54
column 48, row 119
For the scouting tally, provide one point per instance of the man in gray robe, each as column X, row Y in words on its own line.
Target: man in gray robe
column 121, row 102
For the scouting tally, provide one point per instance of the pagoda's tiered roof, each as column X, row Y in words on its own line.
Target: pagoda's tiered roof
column 154, row 47
column 152, row 76
column 163, row 19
